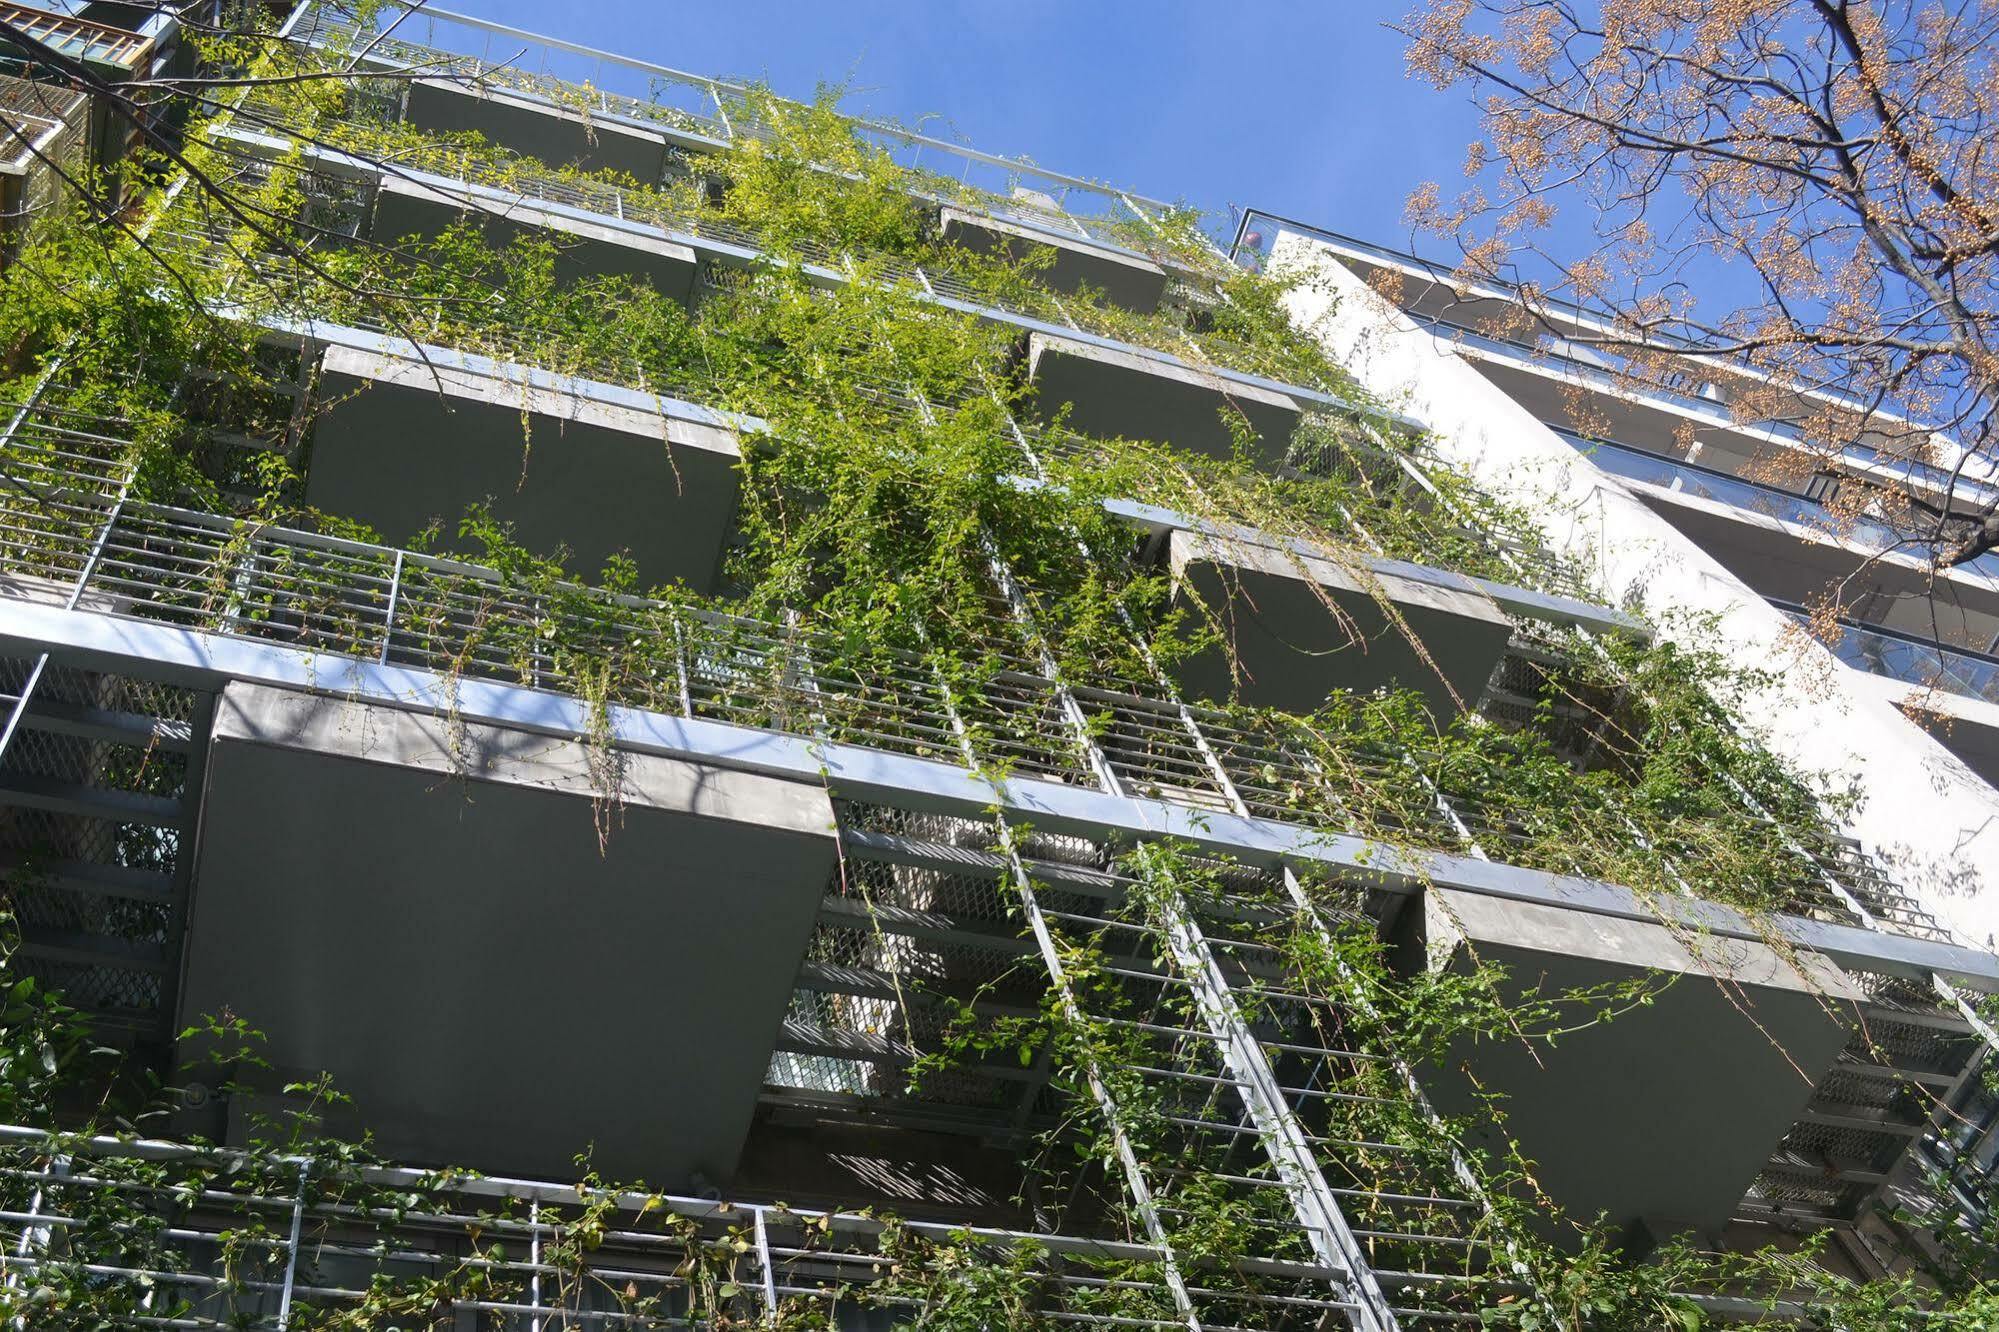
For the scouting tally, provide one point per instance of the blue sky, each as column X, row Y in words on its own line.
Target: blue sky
column 1301, row 108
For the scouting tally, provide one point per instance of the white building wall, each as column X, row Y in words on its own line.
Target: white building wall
column 1922, row 809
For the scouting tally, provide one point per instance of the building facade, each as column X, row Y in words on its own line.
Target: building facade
column 635, row 704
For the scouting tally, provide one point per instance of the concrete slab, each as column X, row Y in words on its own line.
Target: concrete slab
column 1118, row 393
column 1126, row 280
column 423, row 910
column 1302, row 626
column 400, row 443
column 416, row 207
column 1664, row 1114
column 557, row 136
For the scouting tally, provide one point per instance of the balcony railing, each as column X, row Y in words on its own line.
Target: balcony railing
column 1689, row 478
column 501, row 181
column 716, row 112
column 247, row 1240
column 1897, row 656
column 316, row 594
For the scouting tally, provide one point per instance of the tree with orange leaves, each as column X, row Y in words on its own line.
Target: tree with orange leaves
column 1830, row 167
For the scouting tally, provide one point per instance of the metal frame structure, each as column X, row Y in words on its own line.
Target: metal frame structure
column 708, row 112
column 1043, row 891
column 721, row 244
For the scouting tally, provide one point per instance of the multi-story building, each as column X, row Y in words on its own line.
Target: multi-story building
column 1794, row 528
column 643, row 631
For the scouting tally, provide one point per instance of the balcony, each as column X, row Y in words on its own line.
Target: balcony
column 1793, row 549
column 1115, row 391
column 1299, row 626
column 407, row 435
column 280, row 595
column 379, row 823
column 567, row 106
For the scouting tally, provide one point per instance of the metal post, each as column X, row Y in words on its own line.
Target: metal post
column 1065, row 699
column 34, row 1237
column 680, row 663
column 722, row 113
column 534, row 1263
column 389, row 616
column 19, row 711
column 1128, row 1164
column 1134, row 1173
column 1284, row 1139
column 763, row 1261
column 291, row 1248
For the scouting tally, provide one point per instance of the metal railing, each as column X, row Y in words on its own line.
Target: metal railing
column 320, row 594
column 1904, row 657
column 240, row 1240
column 720, row 112
column 1754, row 497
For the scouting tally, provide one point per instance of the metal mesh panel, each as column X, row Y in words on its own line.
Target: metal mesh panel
column 94, row 811
column 104, row 989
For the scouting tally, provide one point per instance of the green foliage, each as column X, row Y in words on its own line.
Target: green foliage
column 898, row 466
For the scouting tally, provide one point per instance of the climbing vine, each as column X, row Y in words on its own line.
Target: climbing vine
column 912, row 520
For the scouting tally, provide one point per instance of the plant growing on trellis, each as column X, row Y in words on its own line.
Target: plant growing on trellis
column 886, row 485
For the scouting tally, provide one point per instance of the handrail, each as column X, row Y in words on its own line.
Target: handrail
column 882, row 127
column 332, row 595
column 1893, row 654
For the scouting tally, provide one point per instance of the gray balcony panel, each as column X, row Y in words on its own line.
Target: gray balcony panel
column 559, row 137
column 1665, row 1113
column 406, row 207
column 423, row 910
column 402, row 443
column 1302, row 626
column 1127, row 280
column 1115, row 392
